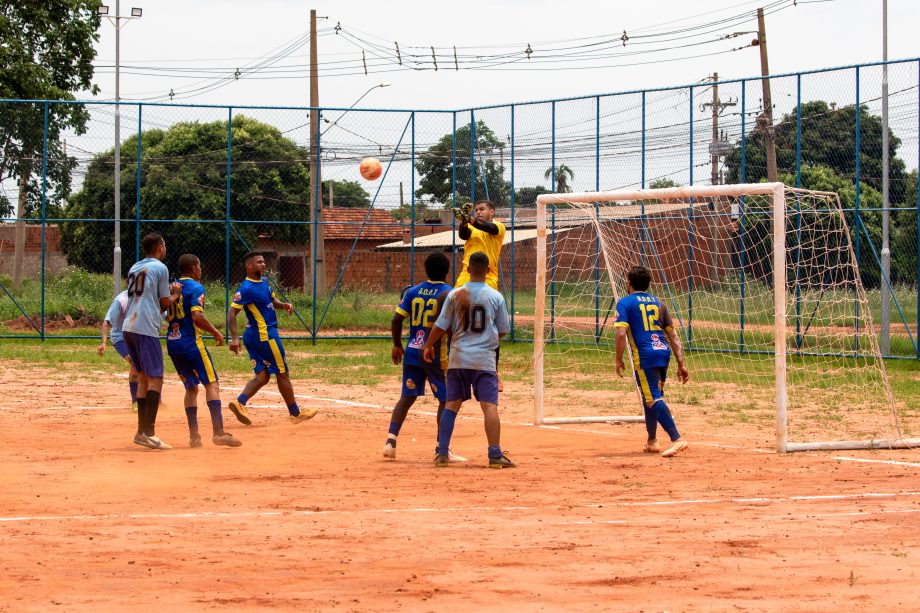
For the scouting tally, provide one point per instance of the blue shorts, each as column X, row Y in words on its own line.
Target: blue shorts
column 414, row 378
column 146, row 354
column 121, row 348
column 194, row 365
column 483, row 382
column 651, row 383
column 266, row 355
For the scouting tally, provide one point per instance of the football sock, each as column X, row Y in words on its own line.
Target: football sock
column 293, row 409
column 663, row 415
column 440, row 412
column 651, row 423
column 141, row 415
column 446, row 430
column 394, row 430
column 495, row 452
column 242, row 399
column 217, row 420
column 191, row 414
column 153, row 404
column 133, row 386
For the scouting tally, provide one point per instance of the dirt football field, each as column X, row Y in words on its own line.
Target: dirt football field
column 311, row 517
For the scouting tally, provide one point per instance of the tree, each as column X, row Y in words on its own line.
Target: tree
column 46, row 53
column 346, row 194
column 184, row 178
column 828, row 139
column 437, row 171
column 560, row 172
column 527, row 196
column 663, row 183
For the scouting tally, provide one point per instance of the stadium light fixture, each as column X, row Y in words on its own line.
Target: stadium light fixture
column 103, row 9
column 353, row 104
column 136, row 12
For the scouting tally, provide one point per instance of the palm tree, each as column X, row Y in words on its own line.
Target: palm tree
column 562, row 183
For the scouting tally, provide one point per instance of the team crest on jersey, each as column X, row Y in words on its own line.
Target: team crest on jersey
column 616, row 316
column 237, row 297
column 657, row 345
column 410, row 384
column 418, row 342
column 201, row 300
column 174, row 333
column 252, row 363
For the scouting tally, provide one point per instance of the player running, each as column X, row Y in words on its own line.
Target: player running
column 482, row 233
column 149, row 294
column 644, row 320
column 421, row 304
column 262, row 341
column 114, row 319
column 477, row 318
column 185, row 321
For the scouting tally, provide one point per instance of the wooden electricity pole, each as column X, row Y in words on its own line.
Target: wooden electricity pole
column 316, row 204
column 19, row 237
column 766, row 120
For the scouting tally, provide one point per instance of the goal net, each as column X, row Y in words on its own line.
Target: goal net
column 763, row 287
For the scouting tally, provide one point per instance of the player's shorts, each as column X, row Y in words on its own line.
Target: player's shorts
column 414, row 378
column 194, row 365
column 146, row 354
column 483, row 382
column 122, row 348
column 464, row 278
column 266, row 355
column 651, row 383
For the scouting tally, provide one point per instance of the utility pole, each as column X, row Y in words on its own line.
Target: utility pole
column 717, row 149
column 19, row 237
column 400, row 200
column 331, row 201
column 316, row 208
column 766, row 120
column 885, row 340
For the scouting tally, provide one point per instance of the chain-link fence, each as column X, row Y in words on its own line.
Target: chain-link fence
column 221, row 181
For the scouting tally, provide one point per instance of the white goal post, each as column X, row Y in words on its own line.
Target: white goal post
column 747, row 270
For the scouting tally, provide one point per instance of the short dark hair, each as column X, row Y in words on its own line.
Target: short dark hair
column 187, row 262
column 479, row 263
column 437, row 266
column 488, row 203
column 151, row 242
column 249, row 255
column 639, row 278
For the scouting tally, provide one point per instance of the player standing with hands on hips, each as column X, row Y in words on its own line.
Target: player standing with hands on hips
column 261, row 339
column 643, row 321
column 477, row 318
column 149, row 294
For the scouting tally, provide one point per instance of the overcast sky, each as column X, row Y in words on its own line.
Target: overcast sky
column 226, row 33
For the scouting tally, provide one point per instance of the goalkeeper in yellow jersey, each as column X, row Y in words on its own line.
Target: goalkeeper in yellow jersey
column 481, row 232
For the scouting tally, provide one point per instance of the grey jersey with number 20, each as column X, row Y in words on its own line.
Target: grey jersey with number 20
column 148, row 281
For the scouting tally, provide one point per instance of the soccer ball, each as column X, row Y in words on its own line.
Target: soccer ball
column 371, row 169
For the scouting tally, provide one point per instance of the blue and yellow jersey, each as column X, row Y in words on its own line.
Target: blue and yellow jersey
column 646, row 319
column 255, row 298
column 420, row 306
column 181, row 332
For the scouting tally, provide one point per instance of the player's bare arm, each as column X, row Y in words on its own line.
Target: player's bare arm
column 175, row 292
column 428, row 350
column 234, row 345
column 620, row 350
column 201, row 322
column 284, row 306
column 677, row 349
column 396, row 325
column 105, row 330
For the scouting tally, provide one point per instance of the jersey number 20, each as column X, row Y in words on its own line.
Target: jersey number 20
column 136, row 283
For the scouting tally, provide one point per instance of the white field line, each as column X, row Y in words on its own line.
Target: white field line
column 763, row 501
column 868, row 461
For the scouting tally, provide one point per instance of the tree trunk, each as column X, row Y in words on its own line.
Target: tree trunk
column 20, row 235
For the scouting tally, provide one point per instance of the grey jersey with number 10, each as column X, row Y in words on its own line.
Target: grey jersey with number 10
column 473, row 346
column 148, row 281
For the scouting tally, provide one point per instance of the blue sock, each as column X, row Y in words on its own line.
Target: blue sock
column 394, row 429
column 651, row 424
column 663, row 415
column 242, row 399
column 446, row 430
column 495, row 452
column 217, row 420
column 293, row 409
column 191, row 413
column 133, row 386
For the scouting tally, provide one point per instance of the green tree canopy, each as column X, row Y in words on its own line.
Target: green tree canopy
column 46, row 53
column 184, row 177
column 436, row 169
column 564, row 175
column 828, row 139
column 346, row 194
column 527, row 196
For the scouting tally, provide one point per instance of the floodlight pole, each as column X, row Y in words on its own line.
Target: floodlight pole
column 885, row 338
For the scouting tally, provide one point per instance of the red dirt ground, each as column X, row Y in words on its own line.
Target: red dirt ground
column 311, row 517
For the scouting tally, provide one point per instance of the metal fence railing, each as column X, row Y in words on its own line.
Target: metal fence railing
column 219, row 181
